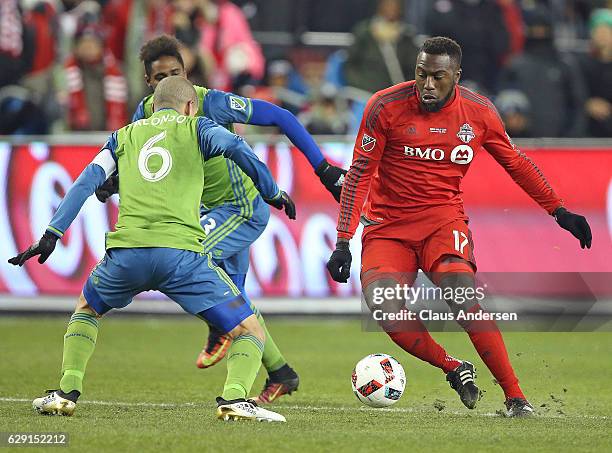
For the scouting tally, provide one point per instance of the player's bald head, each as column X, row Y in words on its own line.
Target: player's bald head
column 174, row 92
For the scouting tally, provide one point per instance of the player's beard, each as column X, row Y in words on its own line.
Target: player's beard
column 437, row 106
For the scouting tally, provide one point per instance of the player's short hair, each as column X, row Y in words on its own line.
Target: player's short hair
column 173, row 92
column 162, row 46
column 441, row 45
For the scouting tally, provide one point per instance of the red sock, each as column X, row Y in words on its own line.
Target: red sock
column 488, row 341
column 413, row 337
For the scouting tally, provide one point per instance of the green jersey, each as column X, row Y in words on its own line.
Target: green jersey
column 225, row 182
column 162, row 174
column 161, row 182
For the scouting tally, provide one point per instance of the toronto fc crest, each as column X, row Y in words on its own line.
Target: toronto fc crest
column 466, row 134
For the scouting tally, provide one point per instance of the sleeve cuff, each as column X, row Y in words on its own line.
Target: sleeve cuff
column 344, row 235
column 555, row 209
column 277, row 196
column 55, row 231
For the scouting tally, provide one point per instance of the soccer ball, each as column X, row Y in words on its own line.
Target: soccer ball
column 378, row 380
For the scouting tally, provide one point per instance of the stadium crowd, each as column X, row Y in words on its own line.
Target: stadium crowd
column 73, row 65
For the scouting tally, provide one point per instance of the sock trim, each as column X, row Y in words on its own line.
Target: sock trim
column 252, row 339
column 83, row 317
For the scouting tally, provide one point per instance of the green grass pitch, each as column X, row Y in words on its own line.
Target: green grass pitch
column 144, row 393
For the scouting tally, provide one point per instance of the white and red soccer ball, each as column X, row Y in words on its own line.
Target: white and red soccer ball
column 378, row 380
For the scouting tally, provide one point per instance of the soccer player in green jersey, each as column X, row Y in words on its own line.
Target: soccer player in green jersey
column 157, row 242
column 234, row 215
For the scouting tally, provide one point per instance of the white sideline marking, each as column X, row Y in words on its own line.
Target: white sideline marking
column 400, row 410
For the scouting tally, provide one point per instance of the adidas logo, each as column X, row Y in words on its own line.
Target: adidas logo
column 466, row 376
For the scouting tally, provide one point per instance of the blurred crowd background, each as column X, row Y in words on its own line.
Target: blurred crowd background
column 73, row 65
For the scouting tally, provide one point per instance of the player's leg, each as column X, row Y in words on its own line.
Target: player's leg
column 230, row 230
column 205, row 290
column 79, row 344
column 282, row 379
column 231, row 252
column 235, row 318
column 107, row 282
column 217, row 224
column 448, row 255
column 243, row 362
column 387, row 263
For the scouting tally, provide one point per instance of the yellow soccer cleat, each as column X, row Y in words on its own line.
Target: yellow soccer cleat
column 53, row 404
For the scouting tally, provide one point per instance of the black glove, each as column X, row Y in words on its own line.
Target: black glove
column 110, row 187
column 339, row 264
column 44, row 248
column 284, row 201
column 575, row 224
column 332, row 178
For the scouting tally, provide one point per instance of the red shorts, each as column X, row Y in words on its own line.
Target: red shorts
column 400, row 259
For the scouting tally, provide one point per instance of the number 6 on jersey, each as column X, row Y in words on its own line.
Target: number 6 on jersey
column 147, row 151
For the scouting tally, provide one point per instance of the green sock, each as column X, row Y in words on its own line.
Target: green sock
column 272, row 357
column 79, row 345
column 243, row 362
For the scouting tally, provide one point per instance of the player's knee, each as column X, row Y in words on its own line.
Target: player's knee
column 451, row 270
column 249, row 326
column 384, row 294
column 83, row 307
column 456, row 277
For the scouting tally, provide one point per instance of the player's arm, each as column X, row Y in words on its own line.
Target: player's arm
column 367, row 153
column 531, row 179
column 227, row 108
column 215, row 140
column 92, row 177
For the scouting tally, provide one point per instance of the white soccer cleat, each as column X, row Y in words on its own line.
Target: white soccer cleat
column 53, row 404
column 242, row 409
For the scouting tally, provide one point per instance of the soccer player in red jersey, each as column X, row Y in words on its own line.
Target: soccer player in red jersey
column 414, row 146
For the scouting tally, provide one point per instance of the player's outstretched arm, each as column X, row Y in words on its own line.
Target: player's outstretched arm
column 215, row 140
column 367, row 153
column 227, row 108
column 268, row 114
column 531, row 179
column 86, row 184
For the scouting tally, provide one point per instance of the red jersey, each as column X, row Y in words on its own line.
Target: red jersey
column 408, row 163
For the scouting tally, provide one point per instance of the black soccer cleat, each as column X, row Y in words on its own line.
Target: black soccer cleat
column 518, row 407
column 461, row 379
column 281, row 382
